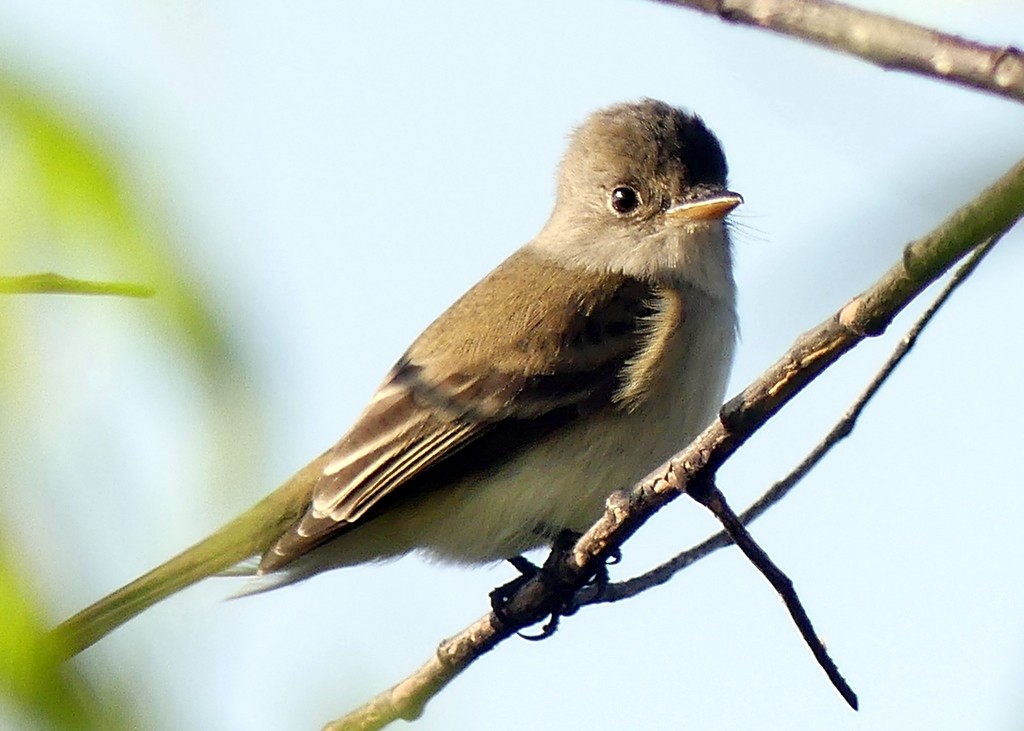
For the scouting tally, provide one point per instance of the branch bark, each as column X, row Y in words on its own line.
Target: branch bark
column 989, row 215
column 843, row 428
column 880, row 39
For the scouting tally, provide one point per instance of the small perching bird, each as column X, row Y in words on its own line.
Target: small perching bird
column 584, row 360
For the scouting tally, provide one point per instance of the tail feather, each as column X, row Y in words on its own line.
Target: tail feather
column 246, row 567
column 248, row 535
column 260, row 583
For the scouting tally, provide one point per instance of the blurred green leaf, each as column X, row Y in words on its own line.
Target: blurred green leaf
column 69, row 205
column 32, row 677
column 67, row 201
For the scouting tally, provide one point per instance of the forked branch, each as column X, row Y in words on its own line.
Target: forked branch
column 989, row 215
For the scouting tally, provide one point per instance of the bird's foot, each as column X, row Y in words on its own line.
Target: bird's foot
column 565, row 600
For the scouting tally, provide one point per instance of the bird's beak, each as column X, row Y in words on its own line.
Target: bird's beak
column 712, row 208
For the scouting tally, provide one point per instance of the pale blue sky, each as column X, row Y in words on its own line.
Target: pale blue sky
column 338, row 173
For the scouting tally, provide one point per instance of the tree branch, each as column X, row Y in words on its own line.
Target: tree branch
column 989, row 215
column 880, row 39
column 713, row 499
column 843, row 428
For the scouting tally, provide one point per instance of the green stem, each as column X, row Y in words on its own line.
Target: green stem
column 50, row 283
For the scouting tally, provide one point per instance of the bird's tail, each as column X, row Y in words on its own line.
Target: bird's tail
column 250, row 534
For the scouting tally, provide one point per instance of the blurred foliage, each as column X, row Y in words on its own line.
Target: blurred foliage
column 36, row 683
column 57, row 284
column 63, row 192
column 68, row 206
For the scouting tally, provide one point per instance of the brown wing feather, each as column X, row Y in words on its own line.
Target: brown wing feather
column 467, row 374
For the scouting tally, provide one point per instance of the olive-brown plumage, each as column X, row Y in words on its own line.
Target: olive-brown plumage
column 570, row 371
column 481, row 441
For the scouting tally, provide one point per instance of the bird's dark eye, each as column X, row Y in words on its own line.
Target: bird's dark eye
column 624, row 200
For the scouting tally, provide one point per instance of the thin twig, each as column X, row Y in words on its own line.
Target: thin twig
column 406, row 699
column 49, row 283
column 713, row 499
column 880, row 39
column 994, row 211
column 843, row 428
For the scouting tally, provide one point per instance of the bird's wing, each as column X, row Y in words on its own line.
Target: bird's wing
column 549, row 359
